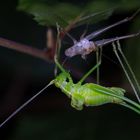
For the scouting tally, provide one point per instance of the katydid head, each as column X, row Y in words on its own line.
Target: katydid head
column 62, row 78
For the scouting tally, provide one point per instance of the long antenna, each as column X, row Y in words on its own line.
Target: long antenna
column 25, row 104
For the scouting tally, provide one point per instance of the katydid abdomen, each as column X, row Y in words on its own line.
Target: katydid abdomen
column 89, row 95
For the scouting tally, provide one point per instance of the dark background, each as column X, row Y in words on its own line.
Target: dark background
column 50, row 116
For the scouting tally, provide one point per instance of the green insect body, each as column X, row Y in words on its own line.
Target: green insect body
column 88, row 94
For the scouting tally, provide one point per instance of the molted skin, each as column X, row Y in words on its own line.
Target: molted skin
column 88, row 94
column 83, row 48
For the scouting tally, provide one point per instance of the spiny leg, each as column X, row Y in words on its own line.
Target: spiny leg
column 130, row 69
column 96, row 33
column 128, row 66
column 92, row 69
column 130, row 107
column 125, row 71
column 110, row 40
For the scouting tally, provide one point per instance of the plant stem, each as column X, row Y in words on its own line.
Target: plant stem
column 23, row 48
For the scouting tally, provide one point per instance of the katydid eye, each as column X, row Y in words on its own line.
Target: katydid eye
column 67, row 80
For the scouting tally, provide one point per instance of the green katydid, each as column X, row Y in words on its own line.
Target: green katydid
column 88, row 94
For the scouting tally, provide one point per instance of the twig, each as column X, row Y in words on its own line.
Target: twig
column 24, row 48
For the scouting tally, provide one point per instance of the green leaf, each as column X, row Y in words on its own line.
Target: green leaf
column 47, row 12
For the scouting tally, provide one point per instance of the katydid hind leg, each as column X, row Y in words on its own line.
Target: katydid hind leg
column 125, row 71
column 128, row 67
column 130, row 107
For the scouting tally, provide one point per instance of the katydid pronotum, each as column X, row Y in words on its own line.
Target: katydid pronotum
column 88, row 94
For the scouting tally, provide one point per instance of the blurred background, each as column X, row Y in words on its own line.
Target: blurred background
column 50, row 116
